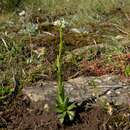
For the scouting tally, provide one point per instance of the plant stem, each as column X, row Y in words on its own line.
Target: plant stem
column 59, row 68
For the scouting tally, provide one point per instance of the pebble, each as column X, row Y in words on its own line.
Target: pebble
column 46, row 107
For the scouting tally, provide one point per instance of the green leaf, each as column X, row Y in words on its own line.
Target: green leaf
column 60, row 104
column 60, row 100
column 59, row 110
column 60, row 107
column 62, row 117
column 61, row 120
column 127, row 70
column 5, row 90
column 66, row 102
column 71, row 115
column 71, row 107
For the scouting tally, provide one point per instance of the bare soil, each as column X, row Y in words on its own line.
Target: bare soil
column 22, row 115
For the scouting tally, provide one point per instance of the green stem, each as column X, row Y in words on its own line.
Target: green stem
column 59, row 67
column 61, row 44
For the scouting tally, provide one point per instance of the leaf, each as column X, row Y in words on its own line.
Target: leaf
column 60, row 107
column 66, row 102
column 71, row 107
column 61, row 120
column 127, row 70
column 60, row 104
column 60, row 100
column 6, row 90
column 59, row 110
column 62, row 117
column 71, row 115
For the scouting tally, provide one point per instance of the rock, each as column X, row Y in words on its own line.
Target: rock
column 81, row 88
column 34, row 94
column 79, row 30
column 46, row 107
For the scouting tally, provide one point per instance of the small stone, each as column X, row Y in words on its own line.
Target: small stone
column 110, row 110
column 98, row 81
column 125, row 87
column 75, row 30
column 118, row 92
column 46, row 107
column 119, row 37
column 109, row 92
column 107, row 78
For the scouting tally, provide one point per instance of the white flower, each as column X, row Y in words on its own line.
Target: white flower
column 57, row 23
column 22, row 13
column 62, row 23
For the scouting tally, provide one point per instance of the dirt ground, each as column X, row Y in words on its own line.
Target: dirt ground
column 22, row 115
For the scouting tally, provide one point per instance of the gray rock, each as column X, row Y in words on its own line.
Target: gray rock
column 81, row 88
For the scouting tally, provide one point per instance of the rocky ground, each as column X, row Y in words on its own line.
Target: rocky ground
column 96, row 72
column 110, row 87
column 104, row 105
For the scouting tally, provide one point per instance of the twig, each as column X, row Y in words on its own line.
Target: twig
column 5, row 44
column 76, row 74
column 126, row 15
column 116, row 26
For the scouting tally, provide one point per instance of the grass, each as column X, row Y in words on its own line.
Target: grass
column 80, row 12
column 25, row 48
column 107, row 23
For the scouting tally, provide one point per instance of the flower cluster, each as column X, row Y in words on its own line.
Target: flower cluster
column 60, row 23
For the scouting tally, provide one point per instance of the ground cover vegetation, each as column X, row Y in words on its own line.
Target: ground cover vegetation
column 95, row 41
